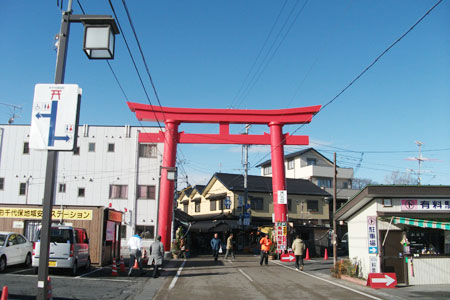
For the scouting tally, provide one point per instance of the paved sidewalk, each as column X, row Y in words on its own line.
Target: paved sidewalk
column 321, row 268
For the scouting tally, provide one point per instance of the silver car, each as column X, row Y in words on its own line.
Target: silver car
column 14, row 249
column 69, row 249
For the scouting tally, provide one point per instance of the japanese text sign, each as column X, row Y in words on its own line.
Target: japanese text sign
column 36, row 213
column 372, row 234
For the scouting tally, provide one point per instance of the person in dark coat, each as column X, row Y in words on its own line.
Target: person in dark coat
column 216, row 244
column 156, row 255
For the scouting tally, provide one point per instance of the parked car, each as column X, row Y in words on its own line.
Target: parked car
column 14, row 249
column 69, row 249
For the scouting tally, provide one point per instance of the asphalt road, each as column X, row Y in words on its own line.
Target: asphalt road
column 244, row 278
column 96, row 283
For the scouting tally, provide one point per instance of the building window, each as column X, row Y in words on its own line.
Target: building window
column 257, row 203
column 22, row 188
column 197, row 206
column 268, row 170
column 345, row 185
column 146, row 191
column 62, row 188
column 148, row 231
column 185, row 207
column 2, row 183
column 81, row 192
column 26, row 148
column 290, row 164
column 118, row 191
column 76, row 151
column 111, row 147
column 324, row 182
column 147, row 150
column 289, row 204
column 212, row 204
column 312, row 205
column 311, row 161
column 91, row 147
column 123, row 231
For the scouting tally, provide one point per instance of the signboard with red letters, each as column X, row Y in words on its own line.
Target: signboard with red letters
column 289, row 257
column 382, row 280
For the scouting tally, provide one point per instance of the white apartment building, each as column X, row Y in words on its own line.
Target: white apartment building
column 108, row 168
column 311, row 165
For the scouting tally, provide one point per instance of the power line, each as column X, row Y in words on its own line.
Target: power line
column 362, row 73
column 259, row 54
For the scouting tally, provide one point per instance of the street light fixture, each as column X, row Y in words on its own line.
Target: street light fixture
column 98, row 44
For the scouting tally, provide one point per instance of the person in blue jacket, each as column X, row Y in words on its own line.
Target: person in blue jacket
column 216, row 245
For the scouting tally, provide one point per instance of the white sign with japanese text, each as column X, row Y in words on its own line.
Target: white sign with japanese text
column 425, row 205
column 54, row 116
column 282, row 197
column 372, row 234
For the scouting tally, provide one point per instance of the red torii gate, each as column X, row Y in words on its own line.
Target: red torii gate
column 172, row 117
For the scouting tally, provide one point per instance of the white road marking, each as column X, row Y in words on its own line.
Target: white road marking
column 174, row 280
column 20, row 271
column 336, row 284
column 229, row 261
column 86, row 274
column 248, row 277
column 68, row 277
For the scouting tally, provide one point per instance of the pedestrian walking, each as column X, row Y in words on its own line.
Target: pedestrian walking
column 156, row 256
column 216, row 246
column 265, row 243
column 298, row 246
column 229, row 246
column 183, row 248
column 135, row 246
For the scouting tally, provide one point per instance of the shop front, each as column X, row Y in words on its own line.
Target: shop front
column 102, row 225
column 400, row 229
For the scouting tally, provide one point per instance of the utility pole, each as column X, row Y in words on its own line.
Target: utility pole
column 334, row 240
column 247, row 127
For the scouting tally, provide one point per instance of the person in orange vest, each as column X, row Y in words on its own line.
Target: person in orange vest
column 265, row 248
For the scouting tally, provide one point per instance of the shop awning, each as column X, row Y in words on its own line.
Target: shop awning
column 422, row 223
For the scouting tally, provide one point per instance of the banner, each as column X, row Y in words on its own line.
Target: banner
column 36, row 213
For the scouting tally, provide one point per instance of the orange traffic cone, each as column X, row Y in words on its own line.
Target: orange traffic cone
column 325, row 257
column 307, row 254
column 122, row 264
column 114, row 268
column 5, row 293
column 136, row 265
column 49, row 289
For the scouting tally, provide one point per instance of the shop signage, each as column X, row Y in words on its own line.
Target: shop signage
column 372, row 234
column 373, row 261
column 115, row 216
column 110, row 230
column 382, row 280
column 425, row 205
column 36, row 213
column 18, row 224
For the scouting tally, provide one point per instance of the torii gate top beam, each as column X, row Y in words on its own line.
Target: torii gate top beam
column 145, row 112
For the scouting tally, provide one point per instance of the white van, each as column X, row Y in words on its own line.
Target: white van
column 69, row 249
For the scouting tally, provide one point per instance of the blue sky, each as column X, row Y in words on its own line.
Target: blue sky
column 200, row 52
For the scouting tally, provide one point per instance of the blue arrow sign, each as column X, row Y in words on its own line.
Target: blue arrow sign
column 62, row 138
column 39, row 115
column 373, row 250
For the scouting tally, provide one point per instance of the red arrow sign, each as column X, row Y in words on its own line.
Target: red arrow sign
column 287, row 257
column 382, row 280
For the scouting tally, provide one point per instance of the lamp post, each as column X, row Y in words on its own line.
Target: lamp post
column 95, row 47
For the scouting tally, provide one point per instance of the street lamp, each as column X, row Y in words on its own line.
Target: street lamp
column 98, row 44
column 99, row 36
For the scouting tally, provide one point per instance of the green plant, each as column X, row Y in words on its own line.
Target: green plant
column 176, row 243
column 273, row 247
column 345, row 267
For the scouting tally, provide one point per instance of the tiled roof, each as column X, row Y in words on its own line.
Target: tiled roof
column 262, row 184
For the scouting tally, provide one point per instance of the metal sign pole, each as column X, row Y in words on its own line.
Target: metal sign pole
column 52, row 158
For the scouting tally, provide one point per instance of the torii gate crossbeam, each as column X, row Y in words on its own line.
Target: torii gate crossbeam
column 172, row 117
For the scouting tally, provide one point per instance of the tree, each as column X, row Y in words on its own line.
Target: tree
column 397, row 177
column 360, row 183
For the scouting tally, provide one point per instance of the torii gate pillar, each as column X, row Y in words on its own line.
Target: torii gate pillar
column 167, row 186
column 278, row 174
